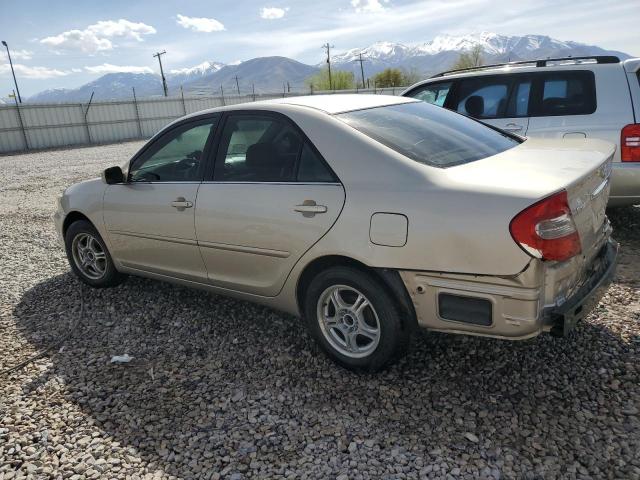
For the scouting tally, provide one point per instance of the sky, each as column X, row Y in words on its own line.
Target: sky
column 64, row 43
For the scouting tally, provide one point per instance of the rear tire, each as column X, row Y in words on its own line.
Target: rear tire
column 88, row 256
column 354, row 319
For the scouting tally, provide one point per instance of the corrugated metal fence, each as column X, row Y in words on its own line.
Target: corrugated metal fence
column 35, row 126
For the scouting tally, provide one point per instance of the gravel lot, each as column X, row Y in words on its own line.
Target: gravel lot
column 225, row 389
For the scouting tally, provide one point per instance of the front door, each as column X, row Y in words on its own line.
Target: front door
column 150, row 218
column 270, row 199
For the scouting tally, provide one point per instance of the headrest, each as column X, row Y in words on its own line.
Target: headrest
column 474, row 105
column 262, row 155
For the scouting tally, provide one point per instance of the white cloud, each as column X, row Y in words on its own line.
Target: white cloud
column 81, row 40
column 96, row 38
column 368, row 6
column 272, row 13
column 17, row 55
column 121, row 28
column 109, row 68
column 32, row 72
column 200, row 24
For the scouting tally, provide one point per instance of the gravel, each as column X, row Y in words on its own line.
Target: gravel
column 219, row 388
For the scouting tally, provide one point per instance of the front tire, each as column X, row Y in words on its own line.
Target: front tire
column 354, row 319
column 88, row 256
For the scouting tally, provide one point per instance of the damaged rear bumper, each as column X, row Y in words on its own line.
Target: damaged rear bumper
column 562, row 319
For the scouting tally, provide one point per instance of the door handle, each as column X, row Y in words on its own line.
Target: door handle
column 180, row 203
column 512, row 127
column 309, row 208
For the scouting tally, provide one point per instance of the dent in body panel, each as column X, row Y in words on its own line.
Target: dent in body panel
column 516, row 301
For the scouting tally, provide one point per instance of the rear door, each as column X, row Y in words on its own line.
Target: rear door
column 563, row 104
column 499, row 100
column 270, row 197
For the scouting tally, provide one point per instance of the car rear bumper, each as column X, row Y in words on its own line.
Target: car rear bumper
column 504, row 308
column 563, row 319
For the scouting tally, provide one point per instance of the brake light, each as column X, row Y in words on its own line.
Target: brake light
column 546, row 229
column 630, row 143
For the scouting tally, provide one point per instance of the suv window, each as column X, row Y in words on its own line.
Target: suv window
column 428, row 134
column 177, row 156
column 566, row 93
column 435, row 93
column 483, row 97
column 260, row 148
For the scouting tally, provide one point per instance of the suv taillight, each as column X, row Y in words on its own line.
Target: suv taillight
column 546, row 229
column 630, row 143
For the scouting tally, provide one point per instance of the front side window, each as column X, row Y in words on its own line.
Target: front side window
column 177, row 156
column 428, row 134
column 567, row 93
column 256, row 148
column 435, row 93
column 483, row 97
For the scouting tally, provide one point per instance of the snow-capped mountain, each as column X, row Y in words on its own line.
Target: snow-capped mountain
column 439, row 53
column 269, row 74
column 181, row 76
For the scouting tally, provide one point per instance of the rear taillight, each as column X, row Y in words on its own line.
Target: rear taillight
column 630, row 143
column 546, row 229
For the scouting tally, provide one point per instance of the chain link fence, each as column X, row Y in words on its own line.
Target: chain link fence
column 28, row 126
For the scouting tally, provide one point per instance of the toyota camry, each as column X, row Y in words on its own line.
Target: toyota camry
column 368, row 216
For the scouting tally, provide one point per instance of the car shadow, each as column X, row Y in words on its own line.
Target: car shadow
column 238, row 376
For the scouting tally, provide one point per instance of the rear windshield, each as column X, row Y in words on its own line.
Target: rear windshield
column 429, row 134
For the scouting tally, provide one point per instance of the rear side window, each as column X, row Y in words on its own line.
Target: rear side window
column 483, row 97
column 434, row 93
column 428, row 134
column 565, row 93
column 259, row 148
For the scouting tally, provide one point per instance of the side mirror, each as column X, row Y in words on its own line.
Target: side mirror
column 113, row 175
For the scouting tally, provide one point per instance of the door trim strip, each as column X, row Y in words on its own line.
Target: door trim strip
column 183, row 241
column 245, row 249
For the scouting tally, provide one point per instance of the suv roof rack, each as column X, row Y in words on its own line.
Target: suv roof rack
column 538, row 63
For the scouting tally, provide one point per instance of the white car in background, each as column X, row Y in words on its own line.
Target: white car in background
column 579, row 97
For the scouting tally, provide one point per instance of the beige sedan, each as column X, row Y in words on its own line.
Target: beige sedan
column 368, row 216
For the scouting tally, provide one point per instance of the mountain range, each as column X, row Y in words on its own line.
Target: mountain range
column 273, row 74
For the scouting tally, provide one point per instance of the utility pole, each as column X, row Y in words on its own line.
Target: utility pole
column 328, row 48
column 164, row 80
column 361, row 60
column 12, row 72
column 238, row 85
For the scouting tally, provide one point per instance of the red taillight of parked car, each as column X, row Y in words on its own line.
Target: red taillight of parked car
column 630, row 143
column 546, row 229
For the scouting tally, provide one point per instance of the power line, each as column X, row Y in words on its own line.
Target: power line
column 361, row 60
column 328, row 48
column 164, row 80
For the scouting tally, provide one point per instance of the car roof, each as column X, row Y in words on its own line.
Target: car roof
column 336, row 103
column 526, row 67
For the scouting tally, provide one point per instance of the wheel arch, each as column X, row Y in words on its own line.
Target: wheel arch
column 390, row 278
column 73, row 217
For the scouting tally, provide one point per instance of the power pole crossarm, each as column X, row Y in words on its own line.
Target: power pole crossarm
column 164, row 80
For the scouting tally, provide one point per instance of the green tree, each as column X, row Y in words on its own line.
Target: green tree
column 340, row 80
column 395, row 77
column 389, row 77
column 470, row 59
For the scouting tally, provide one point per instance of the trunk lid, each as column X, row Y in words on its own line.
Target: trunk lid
column 539, row 167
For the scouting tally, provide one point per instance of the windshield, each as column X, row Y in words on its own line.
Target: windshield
column 429, row 134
